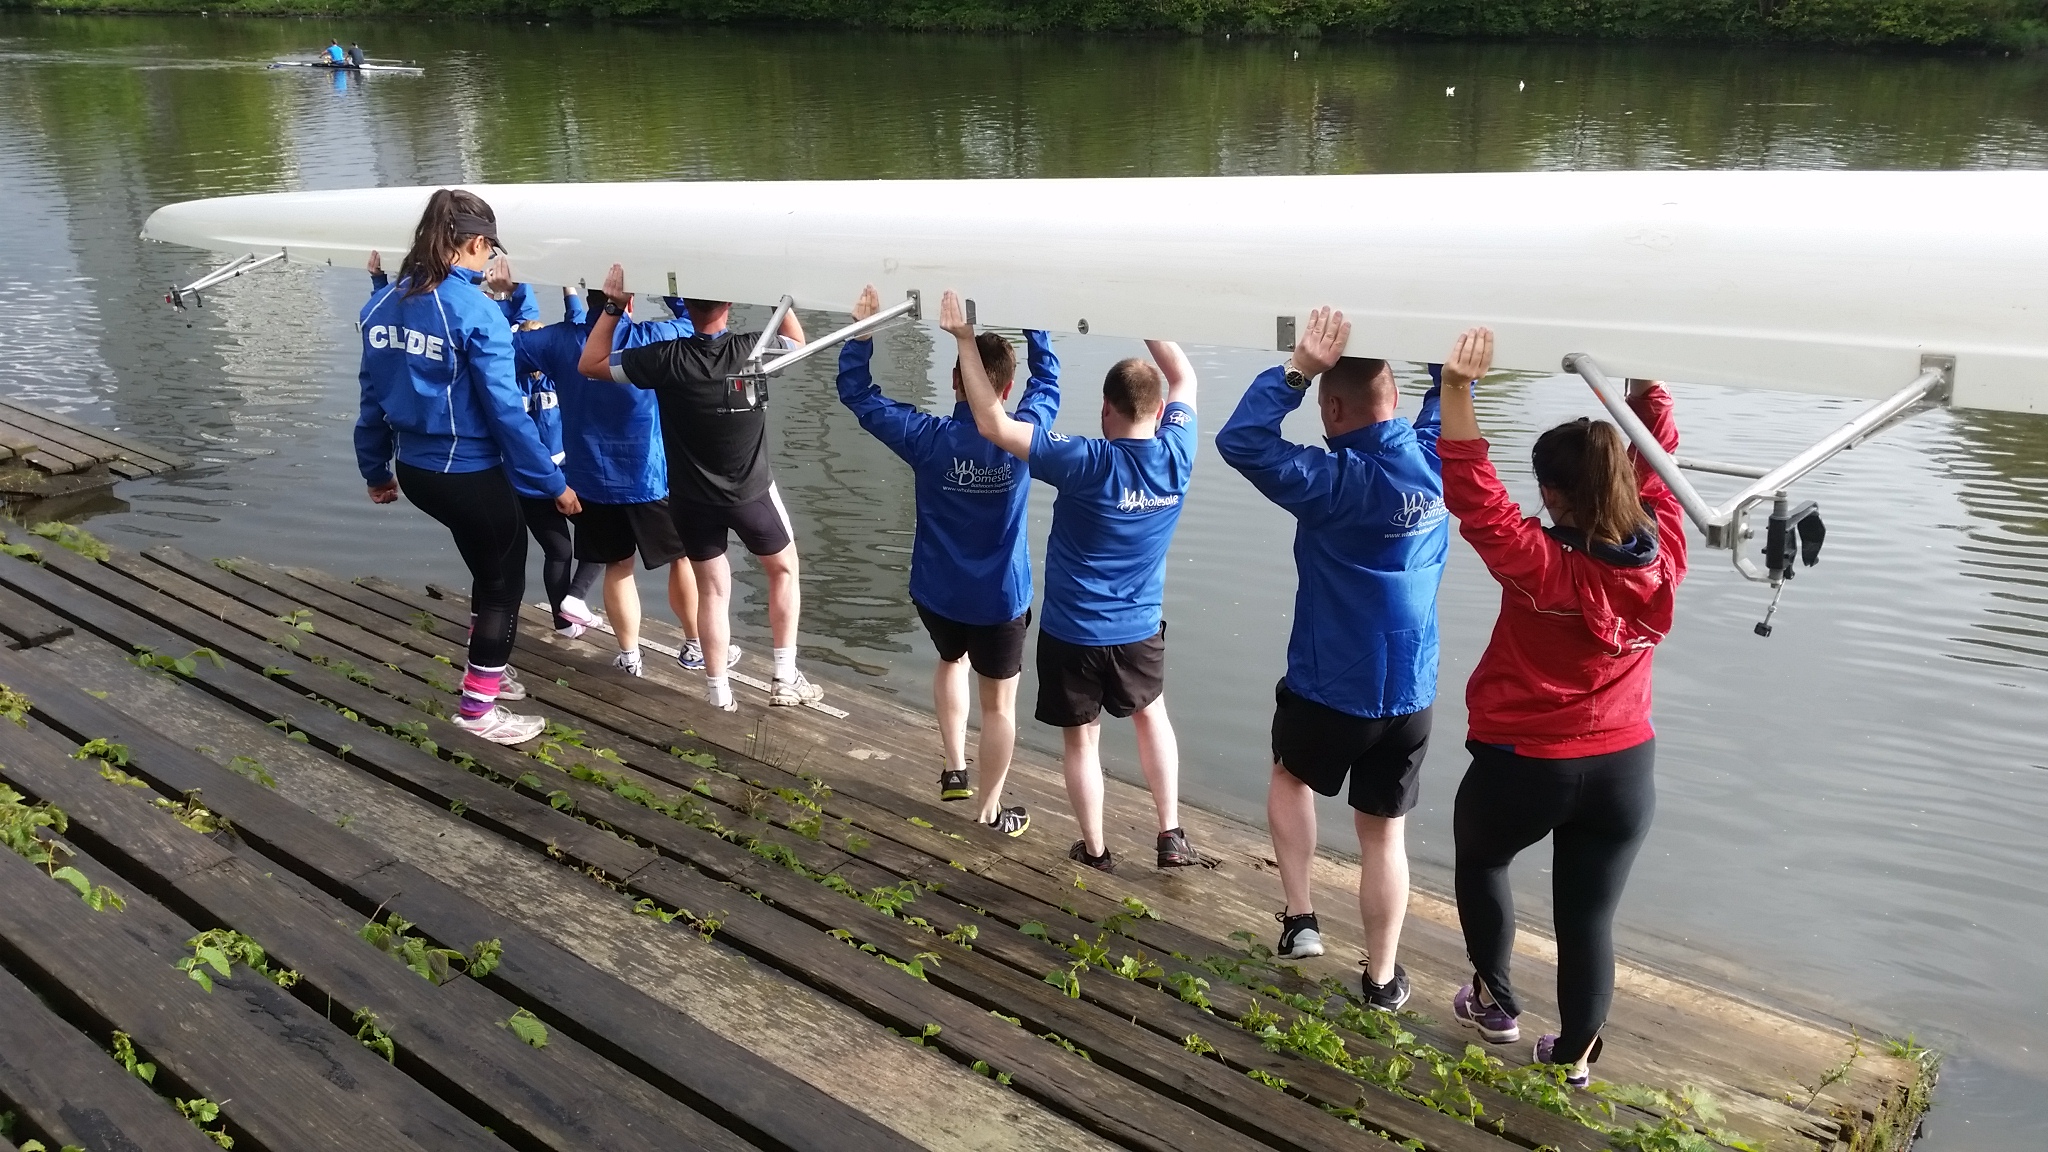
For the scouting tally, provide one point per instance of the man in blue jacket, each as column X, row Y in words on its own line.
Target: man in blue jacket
column 612, row 444
column 1369, row 544
column 1102, row 643
column 970, row 568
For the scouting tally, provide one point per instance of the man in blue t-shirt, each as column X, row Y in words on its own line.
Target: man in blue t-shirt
column 970, row 571
column 1369, row 544
column 1101, row 643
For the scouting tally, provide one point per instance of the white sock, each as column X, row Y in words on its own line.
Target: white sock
column 785, row 663
column 630, row 655
column 718, row 690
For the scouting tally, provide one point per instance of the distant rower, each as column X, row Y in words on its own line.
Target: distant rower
column 335, row 56
column 355, row 55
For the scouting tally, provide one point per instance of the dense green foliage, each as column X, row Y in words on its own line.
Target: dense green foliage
column 2003, row 24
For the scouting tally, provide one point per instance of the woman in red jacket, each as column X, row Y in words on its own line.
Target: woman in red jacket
column 1559, row 705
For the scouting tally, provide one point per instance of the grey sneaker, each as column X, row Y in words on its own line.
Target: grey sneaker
column 1492, row 1021
column 790, row 693
column 502, row 727
column 1011, row 821
column 1300, row 936
column 628, row 662
column 509, row 687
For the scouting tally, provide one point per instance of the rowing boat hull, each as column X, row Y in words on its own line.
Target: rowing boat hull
column 1827, row 282
column 395, row 69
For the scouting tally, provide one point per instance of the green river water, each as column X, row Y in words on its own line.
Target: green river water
column 1851, row 813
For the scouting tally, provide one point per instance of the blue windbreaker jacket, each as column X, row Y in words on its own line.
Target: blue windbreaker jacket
column 439, row 389
column 1369, row 544
column 611, row 433
column 970, row 562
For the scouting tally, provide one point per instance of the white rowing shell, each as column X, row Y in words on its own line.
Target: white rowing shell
column 1827, row 282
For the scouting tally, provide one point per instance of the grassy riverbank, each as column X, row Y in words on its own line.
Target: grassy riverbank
column 1959, row 24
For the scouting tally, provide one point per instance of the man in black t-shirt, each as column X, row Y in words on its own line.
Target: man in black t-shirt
column 714, row 427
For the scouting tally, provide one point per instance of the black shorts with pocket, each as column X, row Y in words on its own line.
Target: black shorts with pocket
column 609, row 533
column 1077, row 682
column 1319, row 746
column 762, row 524
column 992, row 650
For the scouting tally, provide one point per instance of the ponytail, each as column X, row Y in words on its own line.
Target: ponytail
column 438, row 239
column 1586, row 462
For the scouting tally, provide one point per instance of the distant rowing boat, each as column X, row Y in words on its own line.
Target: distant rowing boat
column 397, row 69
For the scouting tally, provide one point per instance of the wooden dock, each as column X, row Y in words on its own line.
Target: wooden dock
column 663, row 927
column 44, row 455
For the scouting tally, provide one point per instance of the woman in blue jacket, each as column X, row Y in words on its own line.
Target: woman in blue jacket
column 439, row 392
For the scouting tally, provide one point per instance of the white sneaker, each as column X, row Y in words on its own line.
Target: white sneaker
column 502, row 727
column 628, row 662
column 571, row 632
column 692, row 656
column 575, row 611
column 790, row 693
column 509, row 687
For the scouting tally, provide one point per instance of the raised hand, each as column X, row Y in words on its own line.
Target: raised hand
column 1470, row 359
column 498, row 277
column 870, row 302
column 1322, row 342
column 615, row 286
column 376, row 263
column 953, row 316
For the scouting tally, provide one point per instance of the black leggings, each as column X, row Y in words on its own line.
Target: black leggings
column 483, row 513
column 560, row 573
column 1597, row 810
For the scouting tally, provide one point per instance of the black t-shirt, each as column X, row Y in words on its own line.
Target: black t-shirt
column 717, row 441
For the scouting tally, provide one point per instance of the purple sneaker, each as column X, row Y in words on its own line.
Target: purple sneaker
column 1546, row 1047
column 1493, row 1022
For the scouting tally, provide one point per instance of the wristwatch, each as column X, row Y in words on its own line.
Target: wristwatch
column 1295, row 379
column 612, row 308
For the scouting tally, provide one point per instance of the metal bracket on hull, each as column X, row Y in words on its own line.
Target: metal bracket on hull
column 1794, row 531
column 228, row 271
column 912, row 306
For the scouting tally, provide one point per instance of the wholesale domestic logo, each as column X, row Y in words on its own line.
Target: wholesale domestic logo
column 1136, row 501
column 1177, row 416
column 1419, row 511
column 967, row 476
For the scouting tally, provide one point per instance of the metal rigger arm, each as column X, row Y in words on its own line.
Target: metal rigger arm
column 910, row 307
column 228, row 271
column 1795, row 530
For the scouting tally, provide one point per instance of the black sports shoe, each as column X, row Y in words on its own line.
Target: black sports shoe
column 1390, row 995
column 1011, row 821
column 953, row 785
column 1103, row 863
column 1300, row 936
column 1174, row 850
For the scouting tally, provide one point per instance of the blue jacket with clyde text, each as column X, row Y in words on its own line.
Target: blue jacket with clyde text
column 1370, row 537
column 970, row 562
column 439, row 390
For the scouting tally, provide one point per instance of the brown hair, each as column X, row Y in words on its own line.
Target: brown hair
column 998, row 359
column 1586, row 462
column 1354, row 375
column 436, row 241
column 1133, row 387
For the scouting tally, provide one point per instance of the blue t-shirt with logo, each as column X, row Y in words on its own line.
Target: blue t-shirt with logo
column 1119, row 500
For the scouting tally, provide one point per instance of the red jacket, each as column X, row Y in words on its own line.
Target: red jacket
column 1567, row 672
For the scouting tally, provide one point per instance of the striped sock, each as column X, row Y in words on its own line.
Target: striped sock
column 480, row 689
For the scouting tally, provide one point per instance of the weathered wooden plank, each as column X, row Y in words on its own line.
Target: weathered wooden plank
column 26, row 625
column 710, row 1073
column 561, row 1096
column 1114, row 1108
column 288, row 1074
column 141, row 451
column 72, row 1092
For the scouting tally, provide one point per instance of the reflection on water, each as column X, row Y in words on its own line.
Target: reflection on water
column 1851, row 810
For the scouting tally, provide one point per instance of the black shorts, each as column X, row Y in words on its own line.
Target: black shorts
column 1319, row 746
column 609, row 533
column 992, row 650
column 762, row 524
column 1076, row 682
